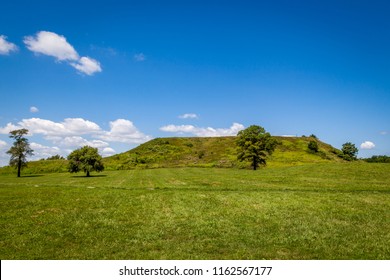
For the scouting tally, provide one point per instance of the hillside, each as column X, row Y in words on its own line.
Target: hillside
column 215, row 152
column 197, row 152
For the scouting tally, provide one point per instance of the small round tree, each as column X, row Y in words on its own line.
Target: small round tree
column 349, row 151
column 85, row 159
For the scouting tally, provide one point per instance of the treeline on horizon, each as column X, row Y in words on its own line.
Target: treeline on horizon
column 373, row 159
column 378, row 159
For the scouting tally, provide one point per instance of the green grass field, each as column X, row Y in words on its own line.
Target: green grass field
column 316, row 211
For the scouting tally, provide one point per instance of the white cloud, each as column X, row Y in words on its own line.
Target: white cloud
column 78, row 141
column 42, row 151
column 4, row 157
column 73, row 133
column 367, row 145
column 139, row 57
column 188, row 116
column 204, row 132
column 52, row 44
column 69, row 127
column 9, row 127
column 69, row 131
column 34, row 109
column 3, row 144
column 6, row 47
column 124, row 131
column 179, row 128
column 106, row 152
column 384, row 132
column 87, row 66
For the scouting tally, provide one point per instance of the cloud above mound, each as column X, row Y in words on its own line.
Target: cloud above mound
column 124, row 131
column 204, row 131
column 52, row 44
column 367, row 145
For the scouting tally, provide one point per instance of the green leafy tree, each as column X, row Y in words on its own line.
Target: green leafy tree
column 254, row 145
column 313, row 146
column 20, row 149
column 349, row 151
column 85, row 159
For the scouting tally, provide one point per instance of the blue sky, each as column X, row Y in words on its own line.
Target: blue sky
column 114, row 74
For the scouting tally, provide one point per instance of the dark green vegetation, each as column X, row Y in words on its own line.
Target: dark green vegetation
column 349, row 151
column 255, row 145
column 378, row 159
column 86, row 159
column 313, row 211
column 19, row 150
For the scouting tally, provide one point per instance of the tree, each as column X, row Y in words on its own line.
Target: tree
column 349, row 151
column 85, row 159
column 313, row 146
column 255, row 144
column 20, row 149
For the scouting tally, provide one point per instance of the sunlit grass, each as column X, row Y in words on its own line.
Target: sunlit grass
column 323, row 211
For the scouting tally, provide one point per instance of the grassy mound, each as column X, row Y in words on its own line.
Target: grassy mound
column 216, row 152
column 197, row 152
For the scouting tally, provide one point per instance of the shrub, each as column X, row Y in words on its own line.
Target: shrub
column 313, row 146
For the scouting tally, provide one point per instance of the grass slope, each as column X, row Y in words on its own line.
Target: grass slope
column 215, row 152
column 313, row 211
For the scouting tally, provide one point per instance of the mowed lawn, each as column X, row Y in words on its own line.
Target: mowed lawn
column 321, row 211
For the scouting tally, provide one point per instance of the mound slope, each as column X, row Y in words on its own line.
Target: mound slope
column 197, row 152
column 215, row 152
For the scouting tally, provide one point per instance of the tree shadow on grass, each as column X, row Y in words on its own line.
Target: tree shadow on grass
column 90, row 176
column 31, row 176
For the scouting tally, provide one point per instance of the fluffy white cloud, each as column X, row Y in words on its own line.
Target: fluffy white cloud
column 4, row 157
column 78, row 141
column 124, row 131
column 87, row 65
column 69, row 131
column 73, row 133
column 9, row 127
column 204, row 132
column 70, row 126
column 106, row 152
column 3, row 144
column 52, row 44
column 42, row 151
column 6, row 47
column 367, row 145
column 188, row 116
column 34, row 109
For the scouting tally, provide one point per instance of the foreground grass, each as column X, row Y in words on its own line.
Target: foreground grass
column 323, row 211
